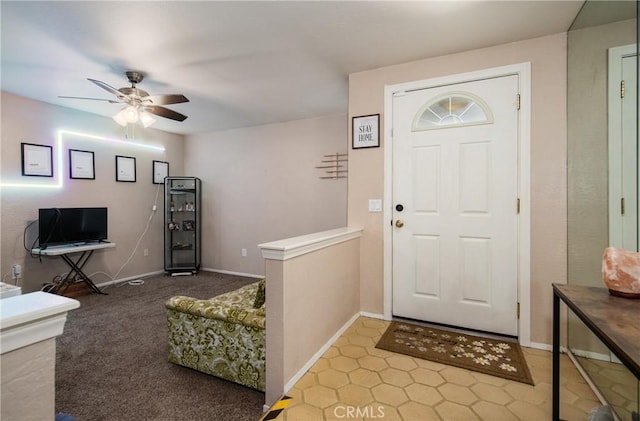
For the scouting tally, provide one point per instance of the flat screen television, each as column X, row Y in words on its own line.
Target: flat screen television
column 71, row 225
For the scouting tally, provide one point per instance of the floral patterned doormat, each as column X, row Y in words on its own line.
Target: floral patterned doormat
column 490, row 356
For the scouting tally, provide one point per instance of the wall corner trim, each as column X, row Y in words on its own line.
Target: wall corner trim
column 297, row 246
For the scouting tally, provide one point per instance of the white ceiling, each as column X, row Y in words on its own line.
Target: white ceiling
column 244, row 63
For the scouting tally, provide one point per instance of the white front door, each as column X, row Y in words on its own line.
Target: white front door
column 455, row 217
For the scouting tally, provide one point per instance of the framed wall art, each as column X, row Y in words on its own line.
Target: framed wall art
column 81, row 165
column 366, row 131
column 125, row 168
column 37, row 160
column 160, row 171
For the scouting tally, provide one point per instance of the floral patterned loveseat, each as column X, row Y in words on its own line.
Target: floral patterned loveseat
column 223, row 336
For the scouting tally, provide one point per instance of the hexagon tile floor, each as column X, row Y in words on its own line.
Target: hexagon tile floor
column 355, row 381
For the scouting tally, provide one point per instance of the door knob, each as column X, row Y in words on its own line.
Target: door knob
column 399, row 223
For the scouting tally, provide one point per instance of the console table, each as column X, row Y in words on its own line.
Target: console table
column 65, row 251
column 614, row 320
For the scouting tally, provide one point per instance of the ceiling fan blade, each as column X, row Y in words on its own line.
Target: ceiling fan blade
column 92, row 99
column 108, row 88
column 164, row 112
column 165, row 99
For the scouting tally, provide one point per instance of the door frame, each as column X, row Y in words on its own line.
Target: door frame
column 523, row 70
column 614, row 139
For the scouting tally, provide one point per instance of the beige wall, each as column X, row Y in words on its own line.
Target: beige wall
column 321, row 292
column 548, row 170
column 129, row 204
column 587, row 158
column 28, row 382
column 587, row 146
column 260, row 184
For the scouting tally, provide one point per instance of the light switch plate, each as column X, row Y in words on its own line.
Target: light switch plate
column 375, row 205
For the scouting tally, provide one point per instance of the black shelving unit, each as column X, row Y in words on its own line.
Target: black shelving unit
column 182, row 235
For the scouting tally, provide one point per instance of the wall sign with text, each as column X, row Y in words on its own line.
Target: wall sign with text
column 37, row 160
column 366, row 131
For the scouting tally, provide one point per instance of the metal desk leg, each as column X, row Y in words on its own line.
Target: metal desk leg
column 84, row 256
column 71, row 275
column 77, row 268
column 556, row 359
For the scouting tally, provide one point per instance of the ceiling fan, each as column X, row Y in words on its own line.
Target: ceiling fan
column 139, row 104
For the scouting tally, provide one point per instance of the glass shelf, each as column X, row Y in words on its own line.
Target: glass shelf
column 183, row 221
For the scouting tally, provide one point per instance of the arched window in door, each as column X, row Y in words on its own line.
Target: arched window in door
column 450, row 110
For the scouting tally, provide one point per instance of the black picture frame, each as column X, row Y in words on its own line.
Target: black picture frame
column 82, row 165
column 125, row 169
column 37, row 160
column 365, row 131
column 160, row 171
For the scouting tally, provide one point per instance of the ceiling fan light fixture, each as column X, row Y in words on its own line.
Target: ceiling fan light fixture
column 139, row 105
column 119, row 118
column 146, row 119
column 130, row 114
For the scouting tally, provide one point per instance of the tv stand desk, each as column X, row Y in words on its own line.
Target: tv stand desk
column 65, row 251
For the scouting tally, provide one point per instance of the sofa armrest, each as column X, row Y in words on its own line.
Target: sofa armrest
column 219, row 309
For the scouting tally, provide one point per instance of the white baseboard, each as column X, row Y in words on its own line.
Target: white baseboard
column 129, row 278
column 539, row 345
column 318, row 354
column 373, row 315
column 576, row 352
column 228, row 272
column 591, row 355
column 545, row 347
column 159, row 272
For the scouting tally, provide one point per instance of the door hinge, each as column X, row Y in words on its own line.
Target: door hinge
column 518, row 310
column 518, row 102
column 518, row 205
column 622, row 206
column 622, row 89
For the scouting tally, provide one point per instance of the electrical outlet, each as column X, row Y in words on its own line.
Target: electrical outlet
column 244, row 252
column 145, row 252
column 16, row 271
